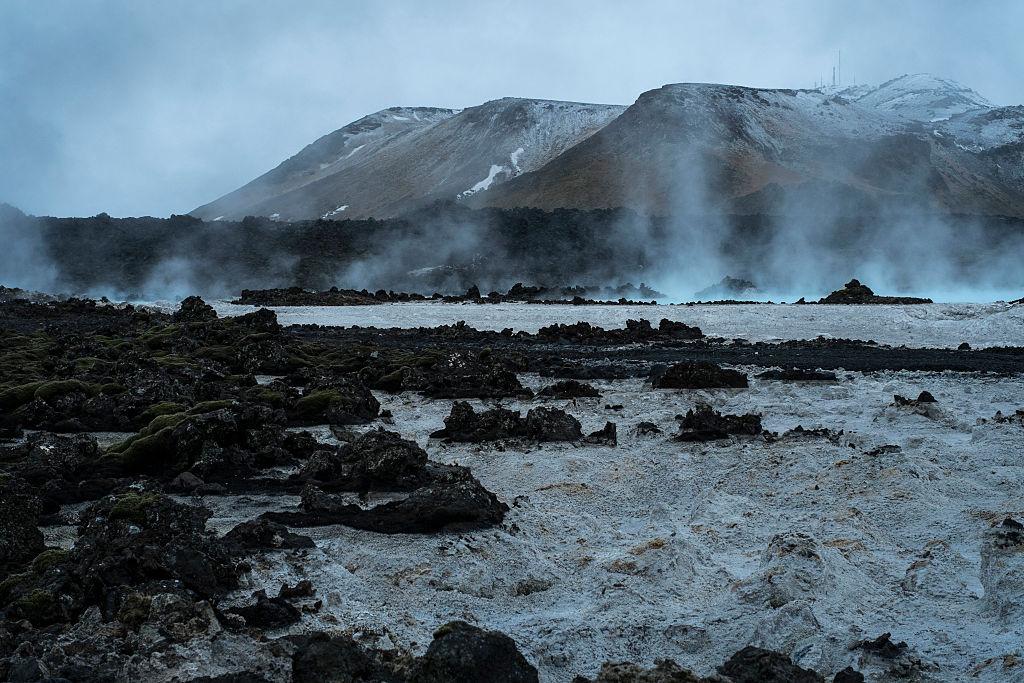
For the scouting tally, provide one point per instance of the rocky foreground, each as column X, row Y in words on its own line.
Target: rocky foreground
column 129, row 437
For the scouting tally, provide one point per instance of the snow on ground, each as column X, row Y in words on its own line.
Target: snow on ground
column 486, row 182
column 933, row 325
column 691, row 551
column 335, row 212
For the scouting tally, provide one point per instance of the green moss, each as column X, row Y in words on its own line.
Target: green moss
column 38, row 606
column 158, row 409
column 135, row 610
column 49, row 558
column 10, row 585
column 161, row 336
column 19, row 395
column 210, row 406
column 221, row 354
column 50, row 391
column 132, row 507
column 171, row 361
column 317, row 402
column 113, row 389
column 151, row 450
column 265, row 396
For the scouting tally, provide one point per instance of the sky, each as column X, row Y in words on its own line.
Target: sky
column 151, row 108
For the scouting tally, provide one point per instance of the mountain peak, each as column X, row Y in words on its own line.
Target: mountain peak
column 923, row 97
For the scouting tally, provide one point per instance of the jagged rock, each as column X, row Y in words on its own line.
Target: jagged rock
column 452, row 500
column 267, row 613
column 126, row 544
column 699, row 376
column 262, row 534
column 606, row 436
column 646, row 429
column 334, row 401
column 882, row 646
column 569, row 388
column 706, row 424
column 460, row 375
column 856, row 293
column 302, row 589
column 461, row 652
column 923, row 397
column 376, row 460
column 755, row 665
column 465, row 424
column 194, row 310
column 728, row 288
column 20, row 538
column 551, row 424
column 217, row 442
column 848, row 675
column 542, row 423
column 323, row 658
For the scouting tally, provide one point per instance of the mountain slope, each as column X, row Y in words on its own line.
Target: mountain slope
column 333, row 153
column 698, row 148
column 443, row 155
column 916, row 142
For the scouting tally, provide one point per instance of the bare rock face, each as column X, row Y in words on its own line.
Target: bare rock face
column 1002, row 570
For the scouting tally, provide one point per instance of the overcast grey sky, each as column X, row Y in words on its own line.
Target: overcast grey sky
column 144, row 107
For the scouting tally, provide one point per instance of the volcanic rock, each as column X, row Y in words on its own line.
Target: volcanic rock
column 699, row 376
column 706, row 424
column 755, row 665
column 462, row 652
column 856, row 293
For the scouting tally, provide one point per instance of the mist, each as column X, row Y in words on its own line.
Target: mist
column 137, row 109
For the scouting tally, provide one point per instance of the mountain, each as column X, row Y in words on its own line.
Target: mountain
column 699, row 148
column 397, row 160
column 916, row 142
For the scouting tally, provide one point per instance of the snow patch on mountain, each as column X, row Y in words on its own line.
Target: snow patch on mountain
column 486, row 182
column 923, row 97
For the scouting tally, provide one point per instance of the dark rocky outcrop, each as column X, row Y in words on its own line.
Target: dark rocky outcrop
column 542, row 423
column 452, row 500
column 462, row 652
column 267, row 612
column 853, row 292
column 699, row 376
column 756, row 665
column 704, row 423
column 568, row 389
column 262, row 534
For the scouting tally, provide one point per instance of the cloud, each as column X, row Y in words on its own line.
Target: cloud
column 152, row 108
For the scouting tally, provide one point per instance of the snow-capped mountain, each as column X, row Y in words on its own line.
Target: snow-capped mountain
column 916, row 141
column 922, row 97
column 398, row 159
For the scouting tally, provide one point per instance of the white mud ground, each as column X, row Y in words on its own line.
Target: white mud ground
column 660, row 549
column 935, row 325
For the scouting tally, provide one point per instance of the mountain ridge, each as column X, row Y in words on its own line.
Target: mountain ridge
column 914, row 142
